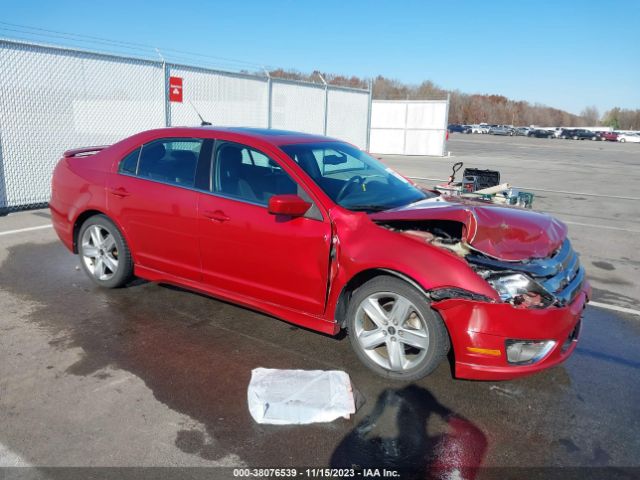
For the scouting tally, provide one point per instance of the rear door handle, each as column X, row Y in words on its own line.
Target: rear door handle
column 119, row 192
column 217, row 215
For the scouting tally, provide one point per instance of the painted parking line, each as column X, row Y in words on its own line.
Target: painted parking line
column 582, row 194
column 615, row 308
column 9, row 458
column 606, row 227
column 28, row 229
column 536, row 189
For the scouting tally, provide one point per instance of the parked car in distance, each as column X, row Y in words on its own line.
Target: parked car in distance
column 456, row 128
column 522, row 131
column 317, row 232
column 566, row 133
column 608, row 136
column 501, row 130
column 582, row 134
column 629, row 137
column 483, row 128
column 540, row 133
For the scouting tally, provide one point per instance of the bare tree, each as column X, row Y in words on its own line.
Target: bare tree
column 590, row 115
column 466, row 108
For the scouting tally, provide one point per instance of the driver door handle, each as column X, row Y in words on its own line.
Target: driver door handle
column 216, row 215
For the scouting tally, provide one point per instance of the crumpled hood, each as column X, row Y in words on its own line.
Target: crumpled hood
column 502, row 232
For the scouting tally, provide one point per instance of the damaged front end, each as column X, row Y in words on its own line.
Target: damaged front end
column 529, row 283
column 534, row 283
column 524, row 256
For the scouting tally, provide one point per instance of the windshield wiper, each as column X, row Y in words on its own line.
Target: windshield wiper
column 367, row 208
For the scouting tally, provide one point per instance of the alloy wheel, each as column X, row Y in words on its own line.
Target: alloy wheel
column 390, row 330
column 99, row 252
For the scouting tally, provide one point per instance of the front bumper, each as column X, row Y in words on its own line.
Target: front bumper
column 486, row 326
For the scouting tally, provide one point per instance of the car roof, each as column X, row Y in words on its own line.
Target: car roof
column 268, row 135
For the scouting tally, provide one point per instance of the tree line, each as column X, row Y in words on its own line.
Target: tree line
column 467, row 108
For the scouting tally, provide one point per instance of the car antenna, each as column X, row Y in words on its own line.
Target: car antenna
column 203, row 122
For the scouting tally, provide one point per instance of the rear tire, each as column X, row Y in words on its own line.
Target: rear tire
column 622, row 140
column 393, row 330
column 104, row 254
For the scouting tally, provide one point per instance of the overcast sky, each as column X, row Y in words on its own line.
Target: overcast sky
column 567, row 54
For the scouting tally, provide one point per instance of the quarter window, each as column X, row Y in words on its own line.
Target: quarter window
column 129, row 164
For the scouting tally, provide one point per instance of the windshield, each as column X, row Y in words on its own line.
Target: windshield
column 352, row 178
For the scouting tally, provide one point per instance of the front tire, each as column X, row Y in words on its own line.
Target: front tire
column 394, row 332
column 104, row 254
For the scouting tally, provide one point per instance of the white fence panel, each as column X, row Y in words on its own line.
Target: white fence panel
column 298, row 107
column 346, row 110
column 54, row 99
column 387, row 140
column 388, row 114
column 222, row 99
column 409, row 127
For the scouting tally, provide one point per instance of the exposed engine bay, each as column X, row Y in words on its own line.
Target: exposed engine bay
column 554, row 280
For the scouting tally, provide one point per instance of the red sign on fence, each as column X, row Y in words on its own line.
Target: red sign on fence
column 175, row 89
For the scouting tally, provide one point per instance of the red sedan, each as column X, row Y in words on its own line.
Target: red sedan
column 318, row 233
column 608, row 136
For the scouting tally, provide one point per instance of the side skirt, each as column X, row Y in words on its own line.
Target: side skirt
column 292, row 316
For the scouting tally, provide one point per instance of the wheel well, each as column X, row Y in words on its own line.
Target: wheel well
column 360, row 279
column 79, row 221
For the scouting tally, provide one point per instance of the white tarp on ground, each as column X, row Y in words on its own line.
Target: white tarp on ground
column 409, row 127
column 296, row 397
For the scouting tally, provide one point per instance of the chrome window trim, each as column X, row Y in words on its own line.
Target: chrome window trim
column 227, row 197
column 193, row 189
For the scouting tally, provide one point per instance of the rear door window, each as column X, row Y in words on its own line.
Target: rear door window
column 171, row 161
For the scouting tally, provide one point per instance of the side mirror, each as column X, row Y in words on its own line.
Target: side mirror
column 289, row 204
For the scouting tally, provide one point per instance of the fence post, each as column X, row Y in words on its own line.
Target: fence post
column 326, row 103
column 406, row 120
column 165, row 95
column 326, row 108
column 446, row 124
column 269, row 100
column 167, row 105
column 369, row 115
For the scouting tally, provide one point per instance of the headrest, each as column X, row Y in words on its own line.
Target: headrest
column 155, row 150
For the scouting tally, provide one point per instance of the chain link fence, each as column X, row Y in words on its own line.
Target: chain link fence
column 55, row 98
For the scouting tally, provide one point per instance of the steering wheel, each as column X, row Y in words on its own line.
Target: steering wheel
column 345, row 188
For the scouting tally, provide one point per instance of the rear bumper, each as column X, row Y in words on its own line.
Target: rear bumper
column 62, row 226
column 487, row 326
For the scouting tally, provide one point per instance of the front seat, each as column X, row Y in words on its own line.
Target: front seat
column 230, row 173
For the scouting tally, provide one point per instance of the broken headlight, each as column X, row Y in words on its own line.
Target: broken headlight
column 520, row 290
